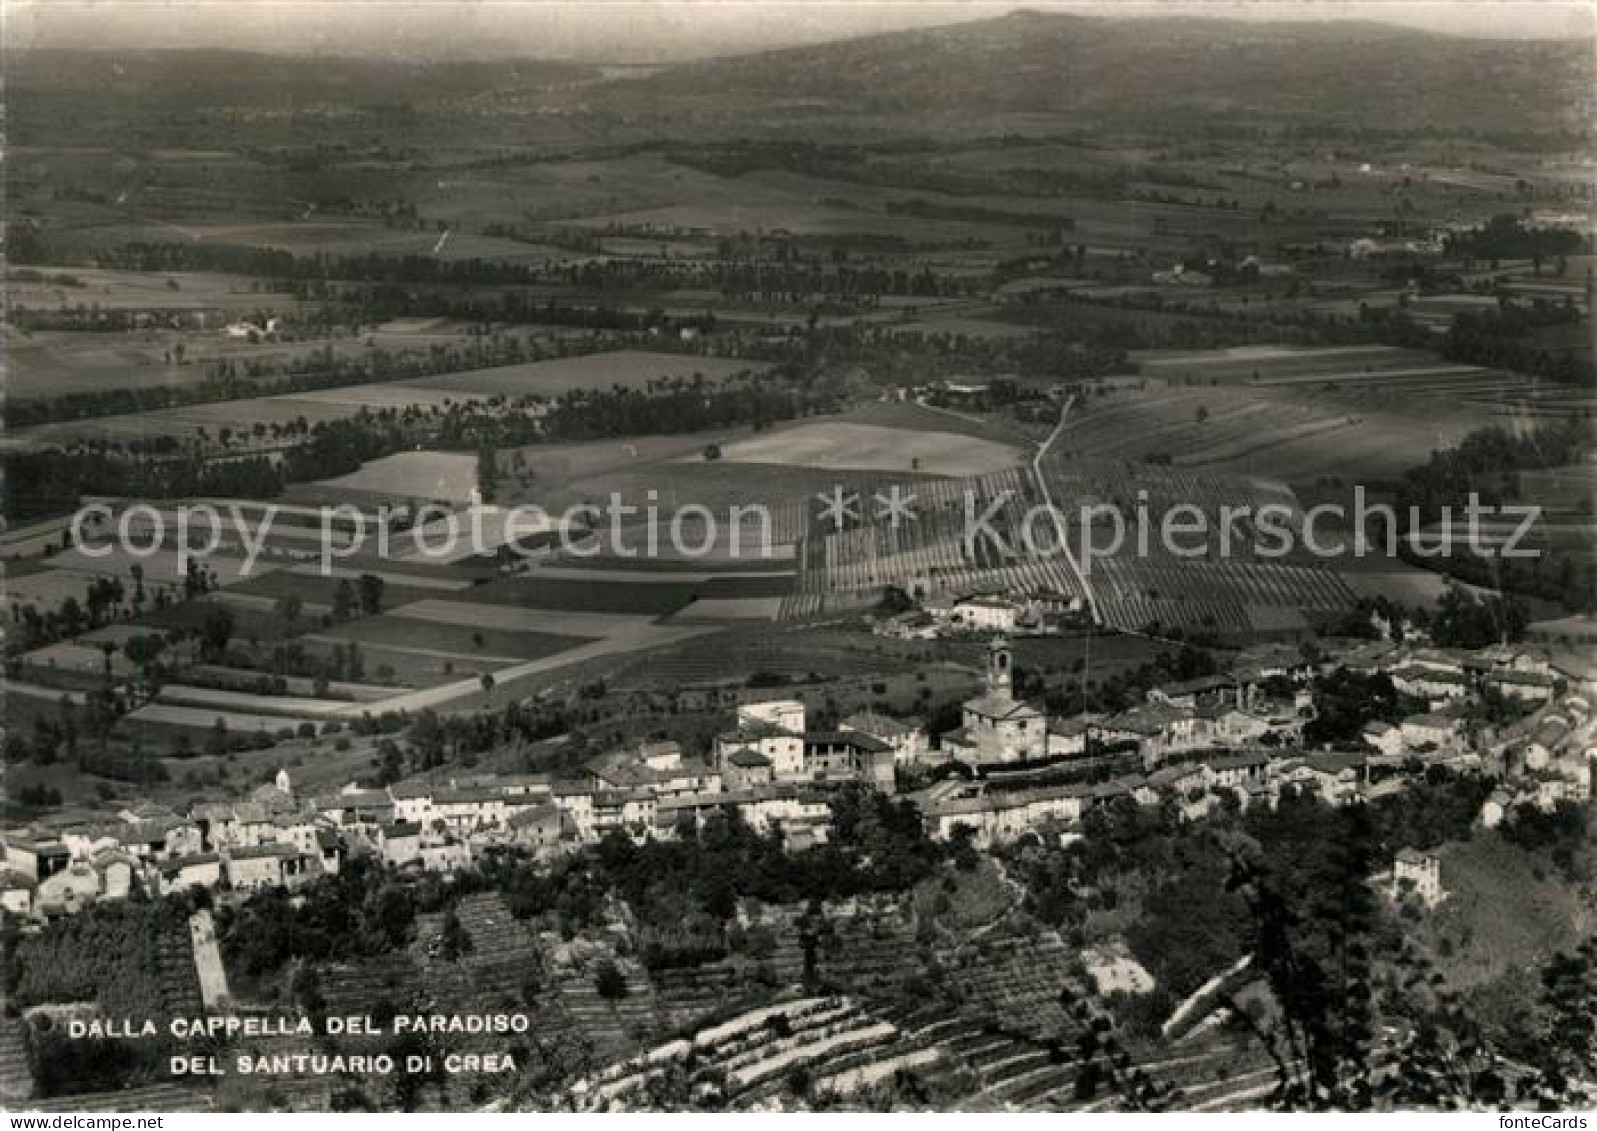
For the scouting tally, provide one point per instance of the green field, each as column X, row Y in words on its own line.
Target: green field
column 842, row 445
column 455, row 641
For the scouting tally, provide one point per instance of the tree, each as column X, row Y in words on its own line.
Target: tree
column 289, row 607
column 215, row 631
column 390, row 762
column 1463, row 620
column 609, row 982
column 371, row 594
column 487, row 472
column 343, row 600
column 1345, row 700
column 1568, row 1053
column 454, row 940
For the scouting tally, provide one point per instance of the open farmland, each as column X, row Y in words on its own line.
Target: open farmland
column 188, row 421
column 1380, row 379
column 1284, row 433
column 45, row 287
column 310, row 235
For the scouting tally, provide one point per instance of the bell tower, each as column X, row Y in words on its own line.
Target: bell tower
column 1000, row 661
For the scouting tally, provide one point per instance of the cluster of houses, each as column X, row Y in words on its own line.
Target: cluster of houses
column 772, row 770
column 1238, row 736
column 1236, row 708
column 1038, row 613
column 1009, row 768
column 269, row 840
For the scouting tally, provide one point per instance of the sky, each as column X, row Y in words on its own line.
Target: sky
column 664, row 30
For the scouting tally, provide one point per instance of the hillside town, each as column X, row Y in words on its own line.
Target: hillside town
column 1009, row 771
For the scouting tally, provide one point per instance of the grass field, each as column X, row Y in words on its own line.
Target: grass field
column 1572, row 487
column 1505, row 910
column 136, row 290
column 44, row 588
column 251, row 624
column 396, row 630
column 866, row 447
column 316, row 589
column 653, row 598
column 446, row 476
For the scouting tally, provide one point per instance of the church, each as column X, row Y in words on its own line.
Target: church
column 997, row 727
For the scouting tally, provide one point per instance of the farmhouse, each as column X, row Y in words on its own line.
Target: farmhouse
column 357, row 808
column 263, row 866
column 1262, row 662
column 984, row 614
column 916, row 624
column 413, row 800
column 540, row 827
column 1179, row 781
column 399, row 843
column 1437, row 686
column 116, row 871
column 833, row 756
column 1419, row 873
column 628, row 810
column 1335, row 778
column 200, row 870
column 1190, row 693
column 34, row 856
column 441, row 852
column 1238, row 770
column 994, row 817
column 16, row 893
column 785, row 714
column 746, row 770
column 83, row 841
column 906, row 742
column 772, row 729
column 1429, row 731
column 1383, row 736
column 690, row 776
column 575, row 799
column 1156, row 730
column 1496, row 807
column 1067, row 737
column 68, row 891
column 465, row 809
column 1523, row 686
column 795, row 818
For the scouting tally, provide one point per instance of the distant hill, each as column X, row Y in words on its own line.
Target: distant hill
column 178, row 80
column 1169, row 73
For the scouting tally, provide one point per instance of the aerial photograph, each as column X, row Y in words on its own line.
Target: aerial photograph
column 798, row 556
